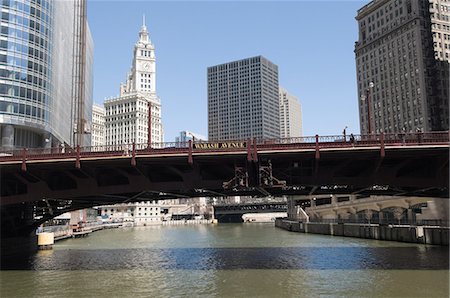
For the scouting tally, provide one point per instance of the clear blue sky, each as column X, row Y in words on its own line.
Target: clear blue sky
column 312, row 43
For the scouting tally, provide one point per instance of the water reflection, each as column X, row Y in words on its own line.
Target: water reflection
column 227, row 261
column 309, row 258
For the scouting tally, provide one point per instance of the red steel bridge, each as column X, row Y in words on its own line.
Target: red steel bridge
column 38, row 184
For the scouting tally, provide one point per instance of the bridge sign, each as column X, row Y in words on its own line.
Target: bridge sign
column 220, row 145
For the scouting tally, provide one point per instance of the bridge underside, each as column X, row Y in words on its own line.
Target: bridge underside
column 406, row 172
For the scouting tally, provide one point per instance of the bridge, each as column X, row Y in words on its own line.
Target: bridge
column 57, row 180
column 234, row 212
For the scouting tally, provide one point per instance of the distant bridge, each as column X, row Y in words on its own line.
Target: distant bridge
column 234, row 212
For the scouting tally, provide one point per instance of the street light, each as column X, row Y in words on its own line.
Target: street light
column 344, row 132
column 363, row 98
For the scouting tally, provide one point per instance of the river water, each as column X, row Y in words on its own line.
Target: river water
column 227, row 260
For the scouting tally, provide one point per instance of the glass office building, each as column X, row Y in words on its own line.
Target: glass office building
column 36, row 73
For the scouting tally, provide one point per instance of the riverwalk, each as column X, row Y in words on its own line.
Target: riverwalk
column 64, row 232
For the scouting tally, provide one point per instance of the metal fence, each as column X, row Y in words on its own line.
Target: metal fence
column 310, row 142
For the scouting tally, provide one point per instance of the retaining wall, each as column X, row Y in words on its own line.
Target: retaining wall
column 402, row 233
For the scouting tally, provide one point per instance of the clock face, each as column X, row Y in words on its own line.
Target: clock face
column 146, row 66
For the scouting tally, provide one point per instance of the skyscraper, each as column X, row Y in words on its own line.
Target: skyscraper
column 98, row 125
column 290, row 115
column 243, row 100
column 45, row 46
column 127, row 116
column 402, row 65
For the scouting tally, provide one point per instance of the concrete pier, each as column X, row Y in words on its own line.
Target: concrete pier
column 46, row 240
column 403, row 233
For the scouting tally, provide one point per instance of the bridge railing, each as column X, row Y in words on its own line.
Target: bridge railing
column 341, row 141
column 384, row 221
column 308, row 142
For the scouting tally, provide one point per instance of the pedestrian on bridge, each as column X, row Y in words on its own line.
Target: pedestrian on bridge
column 352, row 139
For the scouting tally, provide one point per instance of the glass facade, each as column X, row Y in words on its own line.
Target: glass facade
column 36, row 53
column 25, row 74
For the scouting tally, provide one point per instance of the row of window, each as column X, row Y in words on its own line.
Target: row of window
column 128, row 133
column 28, row 22
column 145, row 53
column 11, row 89
column 18, row 48
column 27, row 64
column 440, row 26
column 252, row 61
column 133, row 110
column 129, row 141
column 38, row 39
column 27, row 6
column 386, row 39
column 13, row 108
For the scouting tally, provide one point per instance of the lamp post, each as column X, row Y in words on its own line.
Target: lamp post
column 368, row 97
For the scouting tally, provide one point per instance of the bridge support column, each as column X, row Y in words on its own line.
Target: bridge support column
column 368, row 214
column 334, row 200
column 410, row 215
column 18, row 237
column 291, row 210
column 380, row 217
column 398, row 213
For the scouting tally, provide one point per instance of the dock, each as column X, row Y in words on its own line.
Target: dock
column 80, row 234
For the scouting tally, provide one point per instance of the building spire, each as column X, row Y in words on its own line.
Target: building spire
column 143, row 34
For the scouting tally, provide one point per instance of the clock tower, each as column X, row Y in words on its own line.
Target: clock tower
column 135, row 115
column 142, row 77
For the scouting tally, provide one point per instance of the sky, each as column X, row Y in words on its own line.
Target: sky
column 312, row 42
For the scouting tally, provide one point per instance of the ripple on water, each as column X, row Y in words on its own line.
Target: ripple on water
column 227, row 261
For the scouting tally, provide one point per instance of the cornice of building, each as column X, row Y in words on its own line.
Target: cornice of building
column 153, row 98
column 375, row 38
column 369, row 8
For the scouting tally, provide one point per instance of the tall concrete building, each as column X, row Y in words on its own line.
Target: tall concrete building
column 290, row 115
column 46, row 53
column 243, row 100
column 98, row 125
column 127, row 116
column 402, row 65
